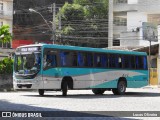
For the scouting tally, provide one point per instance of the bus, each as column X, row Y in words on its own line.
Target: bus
column 45, row 67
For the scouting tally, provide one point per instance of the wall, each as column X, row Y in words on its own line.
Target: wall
column 132, row 1
column 6, row 82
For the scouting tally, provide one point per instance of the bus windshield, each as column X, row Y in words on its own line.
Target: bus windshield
column 27, row 63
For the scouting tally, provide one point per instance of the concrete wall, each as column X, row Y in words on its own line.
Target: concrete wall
column 7, row 16
column 132, row 1
column 6, row 82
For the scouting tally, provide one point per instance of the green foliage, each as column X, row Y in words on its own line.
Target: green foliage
column 71, row 12
column 5, row 35
column 94, row 8
column 6, row 66
column 68, row 30
column 84, row 21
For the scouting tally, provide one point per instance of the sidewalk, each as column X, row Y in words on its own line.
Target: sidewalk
column 152, row 87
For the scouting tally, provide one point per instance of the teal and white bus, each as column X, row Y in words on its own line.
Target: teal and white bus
column 61, row 68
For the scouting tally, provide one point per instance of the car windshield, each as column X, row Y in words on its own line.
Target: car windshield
column 27, row 63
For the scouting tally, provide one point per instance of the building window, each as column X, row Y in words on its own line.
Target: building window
column 1, row 6
column 120, row 1
column 1, row 24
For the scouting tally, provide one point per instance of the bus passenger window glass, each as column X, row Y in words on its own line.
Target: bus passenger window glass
column 132, row 62
column 104, row 60
column 74, row 59
column 112, row 61
column 97, row 61
column 126, row 60
column 89, row 60
column 65, row 59
column 145, row 62
column 139, row 62
column 50, row 59
column 82, row 59
column 120, row 61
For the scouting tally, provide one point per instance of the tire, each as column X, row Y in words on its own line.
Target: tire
column 41, row 92
column 98, row 91
column 64, row 88
column 121, row 88
column 115, row 92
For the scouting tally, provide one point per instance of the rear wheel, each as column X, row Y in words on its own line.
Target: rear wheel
column 64, row 88
column 41, row 92
column 121, row 88
column 98, row 91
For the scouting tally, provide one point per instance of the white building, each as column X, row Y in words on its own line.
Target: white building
column 6, row 16
column 127, row 18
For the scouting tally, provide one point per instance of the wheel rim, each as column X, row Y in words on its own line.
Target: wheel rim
column 122, row 87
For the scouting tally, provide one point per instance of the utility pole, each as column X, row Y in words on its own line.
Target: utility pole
column 110, row 24
column 60, row 26
column 54, row 23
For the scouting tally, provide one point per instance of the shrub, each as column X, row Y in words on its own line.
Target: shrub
column 6, row 66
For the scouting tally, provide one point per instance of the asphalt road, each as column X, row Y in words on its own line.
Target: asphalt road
column 82, row 102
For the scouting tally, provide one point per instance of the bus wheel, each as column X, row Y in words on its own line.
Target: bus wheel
column 64, row 88
column 121, row 88
column 41, row 92
column 98, row 91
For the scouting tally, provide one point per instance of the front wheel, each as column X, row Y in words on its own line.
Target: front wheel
column 64, row 88
column 41, row 92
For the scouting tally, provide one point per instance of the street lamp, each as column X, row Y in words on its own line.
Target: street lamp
column 53, row 33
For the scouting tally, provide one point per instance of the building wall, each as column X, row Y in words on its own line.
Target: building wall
column 138, row 11
column 132, row 1
column 6, row 16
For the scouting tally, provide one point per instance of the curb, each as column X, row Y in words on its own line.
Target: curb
column 151, row 87
column 7, row 90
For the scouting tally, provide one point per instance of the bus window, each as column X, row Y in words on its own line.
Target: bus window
column 145, row 62
column 97, row 61
column 74, row 59
column 50, row 59
column 104, row 60
column 113, row 61
column 139, row 62
column 132, row 62
column 120, row 61
column 82, row 59
column 126, row 60
column 89, row 60
column 65, row 58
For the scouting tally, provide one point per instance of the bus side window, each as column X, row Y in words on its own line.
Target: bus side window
column 50, row 59
column 65, row 59
column 112, row 61
column 120, row 61
column 104, row 60
column 89, row 60
column 62, row 59
column 145, row 62
column 132, row 62
column 82, row 59
column 97, row 61
column 74, row 59
column 139, row 62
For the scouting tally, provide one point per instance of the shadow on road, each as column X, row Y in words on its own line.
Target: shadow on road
column 58, row 113
column 92, row 96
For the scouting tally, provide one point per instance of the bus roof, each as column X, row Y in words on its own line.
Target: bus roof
column 67, row 47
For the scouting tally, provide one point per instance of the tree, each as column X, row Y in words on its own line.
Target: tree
column 84, row 22
column 94, row 8
column 5, row 35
